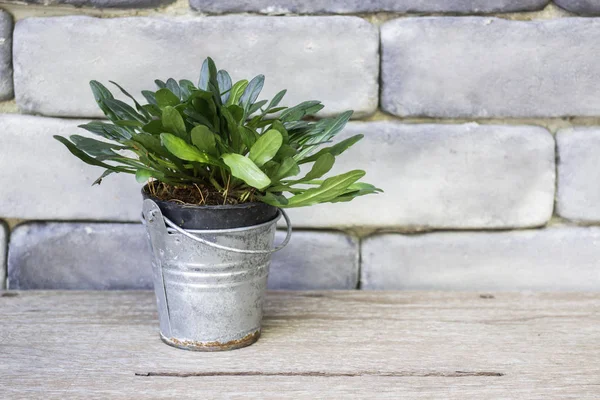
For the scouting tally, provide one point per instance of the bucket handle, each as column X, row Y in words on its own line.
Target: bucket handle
column 288, row 236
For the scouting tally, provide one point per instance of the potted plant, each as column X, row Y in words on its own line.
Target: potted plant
column 219, row 167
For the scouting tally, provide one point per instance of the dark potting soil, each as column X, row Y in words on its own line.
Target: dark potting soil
column 201, row 210
column 192, row 195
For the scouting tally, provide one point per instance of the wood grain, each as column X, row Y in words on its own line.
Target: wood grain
column 333, row 345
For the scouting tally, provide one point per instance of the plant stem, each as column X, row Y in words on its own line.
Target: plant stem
column 201, row 194
column 226, row 190
column 215, row 183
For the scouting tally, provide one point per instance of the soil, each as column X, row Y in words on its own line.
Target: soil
column 197, row 195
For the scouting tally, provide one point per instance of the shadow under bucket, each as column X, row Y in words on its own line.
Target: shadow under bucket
column 210, row 284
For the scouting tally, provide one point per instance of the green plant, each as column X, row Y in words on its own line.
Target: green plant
column 216, row 138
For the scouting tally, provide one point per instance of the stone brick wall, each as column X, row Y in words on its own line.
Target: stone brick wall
column 481, row 122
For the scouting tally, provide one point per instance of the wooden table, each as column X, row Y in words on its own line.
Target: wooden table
column 315, row 345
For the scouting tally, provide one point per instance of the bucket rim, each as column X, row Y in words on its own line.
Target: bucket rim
column 151, row 209
column 229, row 230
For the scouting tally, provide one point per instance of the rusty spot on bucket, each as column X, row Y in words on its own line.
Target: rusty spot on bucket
column 213, row 346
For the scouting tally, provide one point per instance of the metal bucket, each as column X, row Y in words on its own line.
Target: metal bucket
column 209, row 284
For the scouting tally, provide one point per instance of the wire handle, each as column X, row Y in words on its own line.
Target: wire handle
column 184, row 232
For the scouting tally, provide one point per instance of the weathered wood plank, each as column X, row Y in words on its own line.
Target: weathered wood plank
column 314, row 345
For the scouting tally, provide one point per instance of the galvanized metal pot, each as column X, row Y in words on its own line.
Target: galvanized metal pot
column 210, row 284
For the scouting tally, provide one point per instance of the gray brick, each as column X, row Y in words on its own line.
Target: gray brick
column 117, row 256
column 578, row 174
column 584, row 7
column 435, row 176
column 332, row 59
column 445, row 176
column 3, row 250
column 488, row 67
column 315, row 261
column 360, row 6
column 40, row 179
column 79, row 256
column 6, row 69
column 562, row 258
column 97, row 3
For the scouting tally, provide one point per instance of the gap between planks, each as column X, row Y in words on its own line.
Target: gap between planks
column 455, row 374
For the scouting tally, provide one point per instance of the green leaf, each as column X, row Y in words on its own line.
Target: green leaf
column 355, row 190
column 187, row 88
column 277, row 200
column 86, row 158
column 285, row 188
column 149, row 96
column 288, row 167
column 173, row 122
column 160, row 84
column 204, row 76
column 104, row 175
column 208, row 78
column 100, row 91
column 173, row 86
column 99, row 128
column 95, row 148
column 363, row 186
column 266, row 147
column 179, row 148
column 128, row 123
column 138, row 106
column 254, row 122
column 197, row 117
column 152, row 109
column 274, row 110
column 334, row 150
column 256, row 106
column 236, row 92
column 298, row 127
column 322, row 166
column 279, row 126
column 224, row 81
column 237, row 112
column 123, row 110
column 207, row 108
column 276, row 100
column 166, row 98
column 230, row 130
column 155, row 127
column 197, row 93
column 150, row 143
column 251, row 93
column 204, row 139
column 303, row 109
column 335, row 125
column 216, row 93
column 261, row 123
column 284, row 152
column 329, row 189
column 270, row 168
column 321, row 132
column 142, row 175
column 212, row 72
column 106, row 131
column 243, row 168
column 249, row 136
column 208, row 74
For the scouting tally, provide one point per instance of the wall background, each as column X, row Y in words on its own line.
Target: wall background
column 481, row 117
